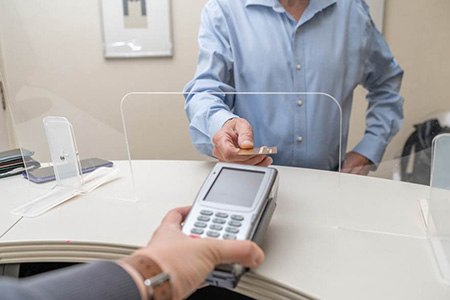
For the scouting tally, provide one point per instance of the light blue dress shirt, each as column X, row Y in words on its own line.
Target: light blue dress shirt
column 256, row 46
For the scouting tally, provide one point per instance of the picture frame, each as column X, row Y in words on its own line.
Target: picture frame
column 136, row 28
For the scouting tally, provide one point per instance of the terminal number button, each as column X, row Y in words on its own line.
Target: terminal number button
column 237, row 217
column 197, row 231
column 228, row 236
column 235, row 223
column 200, row 224
column 213, row 234
column 221, row 215
column 206, row 212
column 203, row 218
column 232, row 230
column 218, row 221
column 216, row 227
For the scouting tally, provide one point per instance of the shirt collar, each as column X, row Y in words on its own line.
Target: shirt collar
column 261, row 2
column 314, row 6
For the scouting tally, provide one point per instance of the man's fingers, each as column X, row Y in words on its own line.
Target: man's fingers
column 361, row 170
column 245, row 253
column 351, row 169
column 245, row 142
column 224, row 150
column 346, row 170
column 245, row 134
column 253, row 160
column 356, row 163
column 237, row 134
column 225, row 144
column 347, row 166
column 257, row 160
column 358, row 170
column 267, row 161
column 355, row 170
column 231, row 155
column 225, row 138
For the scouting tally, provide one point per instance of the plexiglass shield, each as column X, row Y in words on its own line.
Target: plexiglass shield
column 157, row 128
column 68, row 153
column 436, row 211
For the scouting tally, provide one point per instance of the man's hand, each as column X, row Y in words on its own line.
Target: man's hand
column 237, row 134
column 355, row 163
column 189, row 260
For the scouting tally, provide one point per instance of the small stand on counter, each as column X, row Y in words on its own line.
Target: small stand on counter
column 67, row 170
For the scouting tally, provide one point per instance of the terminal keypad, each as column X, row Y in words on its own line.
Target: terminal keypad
column 217, row 224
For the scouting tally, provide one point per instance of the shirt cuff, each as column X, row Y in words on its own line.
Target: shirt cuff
column 372, row 148
column 217, row 120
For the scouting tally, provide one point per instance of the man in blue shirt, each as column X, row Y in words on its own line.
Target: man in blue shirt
column 306, row 56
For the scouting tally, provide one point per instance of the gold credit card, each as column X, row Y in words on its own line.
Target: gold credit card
column 258, row 150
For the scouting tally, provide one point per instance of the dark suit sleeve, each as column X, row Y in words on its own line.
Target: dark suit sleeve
column 99, row 280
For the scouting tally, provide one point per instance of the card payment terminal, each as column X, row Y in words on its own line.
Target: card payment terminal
column 235, row 202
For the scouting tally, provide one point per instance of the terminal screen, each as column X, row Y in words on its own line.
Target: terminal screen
column 235, row 187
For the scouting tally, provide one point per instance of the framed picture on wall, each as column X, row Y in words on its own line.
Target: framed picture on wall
column 136, row 28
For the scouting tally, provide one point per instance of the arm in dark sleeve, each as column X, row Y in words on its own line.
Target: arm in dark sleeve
column 99, row 280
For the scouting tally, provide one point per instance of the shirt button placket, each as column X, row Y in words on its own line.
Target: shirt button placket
column 300, row 114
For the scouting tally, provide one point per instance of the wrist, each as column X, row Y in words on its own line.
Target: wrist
column 229, row 121
column 152, row 280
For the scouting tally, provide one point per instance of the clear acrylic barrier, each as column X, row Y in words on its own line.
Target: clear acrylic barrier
column 412, row 161
column 382, row 205
column 436, row 210
column 157, row 129
column 392, row 194
column 99, row 145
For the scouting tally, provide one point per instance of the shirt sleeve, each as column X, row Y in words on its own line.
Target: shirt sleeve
column 382, row 77
column 99, row 280
column 208, row 102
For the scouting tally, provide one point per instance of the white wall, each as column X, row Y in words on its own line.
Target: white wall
column 377, row 12
column 4, row 136
column 54, row 62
